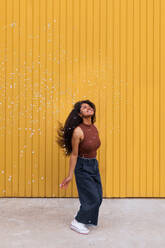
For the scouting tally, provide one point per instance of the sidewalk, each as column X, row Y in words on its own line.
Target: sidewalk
column 44, row 223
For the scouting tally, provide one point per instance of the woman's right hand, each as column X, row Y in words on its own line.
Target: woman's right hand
column 65, row 182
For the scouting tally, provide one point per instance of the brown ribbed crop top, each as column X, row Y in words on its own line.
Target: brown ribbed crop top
column 91, row 142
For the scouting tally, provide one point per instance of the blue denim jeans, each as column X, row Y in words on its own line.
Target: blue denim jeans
column 89, row 188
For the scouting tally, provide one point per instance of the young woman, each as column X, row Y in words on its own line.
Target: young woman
column 80, row 139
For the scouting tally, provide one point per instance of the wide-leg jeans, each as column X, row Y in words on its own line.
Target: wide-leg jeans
column 89, row 188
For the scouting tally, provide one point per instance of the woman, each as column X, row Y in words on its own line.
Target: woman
column 80, row 139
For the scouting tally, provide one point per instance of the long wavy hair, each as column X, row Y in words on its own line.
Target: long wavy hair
column 64, row 133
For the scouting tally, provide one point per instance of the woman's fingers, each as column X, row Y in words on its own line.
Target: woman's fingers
column 65, row 183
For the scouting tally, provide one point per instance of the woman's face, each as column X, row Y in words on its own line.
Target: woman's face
column 86, row 110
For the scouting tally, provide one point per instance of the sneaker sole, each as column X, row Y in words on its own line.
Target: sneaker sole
column 91, row 225
column 77, row 230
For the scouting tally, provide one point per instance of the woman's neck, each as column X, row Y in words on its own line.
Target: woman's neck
column 89, row 123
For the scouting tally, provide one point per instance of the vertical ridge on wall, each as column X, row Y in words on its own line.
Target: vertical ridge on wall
column 102, row 88
column 29, row 80
column 109, row 101
column 143, row 109
column 129, row 99
column 3, row 26
column 62, row 78
column 136, row 109
column 18, row 104
column 56, row 89
column 35, row 99
column 156, row 78
column 150, row 93
column 116, row 83
column 9, row 98
column 42, row 109
column 162, row 93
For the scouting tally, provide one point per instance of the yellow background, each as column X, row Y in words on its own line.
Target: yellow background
column 54, row 53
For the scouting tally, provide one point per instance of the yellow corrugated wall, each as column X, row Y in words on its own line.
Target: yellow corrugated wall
column 54, row 53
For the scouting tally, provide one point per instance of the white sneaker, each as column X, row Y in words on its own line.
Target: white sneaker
column 88, row 223
column 79, row 227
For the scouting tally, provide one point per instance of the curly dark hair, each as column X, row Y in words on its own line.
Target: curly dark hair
column 65, row 132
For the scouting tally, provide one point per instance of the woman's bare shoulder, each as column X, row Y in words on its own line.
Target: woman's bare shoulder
column 78, row 131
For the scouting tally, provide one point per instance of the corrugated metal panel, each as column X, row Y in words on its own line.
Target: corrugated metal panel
column 54, row 53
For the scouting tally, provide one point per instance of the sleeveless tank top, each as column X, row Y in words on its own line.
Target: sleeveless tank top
column 91, row 142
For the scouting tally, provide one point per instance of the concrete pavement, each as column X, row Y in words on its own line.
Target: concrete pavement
column 44, row 223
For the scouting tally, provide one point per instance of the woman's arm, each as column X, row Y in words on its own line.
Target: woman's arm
column 74, row 153
column 73, row 157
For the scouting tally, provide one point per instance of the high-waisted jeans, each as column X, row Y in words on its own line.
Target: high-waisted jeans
column 89, row 188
